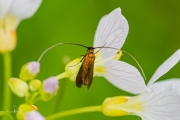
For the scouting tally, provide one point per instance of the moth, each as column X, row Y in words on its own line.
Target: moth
column 85, row 74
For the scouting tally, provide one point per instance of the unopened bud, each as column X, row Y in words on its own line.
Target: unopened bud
column 30, row 70
column 23, row 110
column 49, row 88
column 18, row 87
column 34, row 85
column 34, row 115
column 26, row 112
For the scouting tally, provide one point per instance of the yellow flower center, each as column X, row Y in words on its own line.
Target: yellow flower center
column 111, row 106
column 134, row 105
column 98, row 70
column 120, row 106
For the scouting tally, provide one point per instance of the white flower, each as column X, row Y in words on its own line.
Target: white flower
column 12, row 12
column 162, row 102
column 112, row 32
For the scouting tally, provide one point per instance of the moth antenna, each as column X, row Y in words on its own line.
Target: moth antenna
column 106, row 47
column 137, row 63
column 42, row 54
column 77, row 44
column 100, row 48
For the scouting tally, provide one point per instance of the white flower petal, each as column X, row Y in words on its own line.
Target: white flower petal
column 144, row 118
column 22, row 9
column 173, row 81
column 111, row 32
column 125, row 76
column 34, row 115
column 162, row 103
column 4, row 7
column 165, row 67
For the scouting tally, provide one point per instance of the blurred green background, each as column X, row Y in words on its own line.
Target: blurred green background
column 154, row 35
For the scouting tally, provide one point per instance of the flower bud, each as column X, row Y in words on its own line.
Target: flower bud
column 7, row 35
column 26, row 112
column 72, row 68
column 49, row 88
column 18, row 87
column 23, row 110
column 34, row 115
column 114, row 106
column 29, row 71
column 34, row 85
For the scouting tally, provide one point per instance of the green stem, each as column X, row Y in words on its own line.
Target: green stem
column 36, row 100
column 62, row 75
column 33, row 97
column 7, row 74
column 60, row 96
column 3, row 113
column 75, row 111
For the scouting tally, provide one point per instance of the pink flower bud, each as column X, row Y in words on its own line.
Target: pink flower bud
column 30, row 70
column 34, row 115
column 50, row 85
column 49, row 88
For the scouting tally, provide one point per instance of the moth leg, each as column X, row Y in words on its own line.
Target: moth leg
column 78, row 62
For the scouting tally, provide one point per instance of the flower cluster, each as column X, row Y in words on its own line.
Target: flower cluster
column 29, row 87
column 26, row 83
column 154, row 101
column 27, row 75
